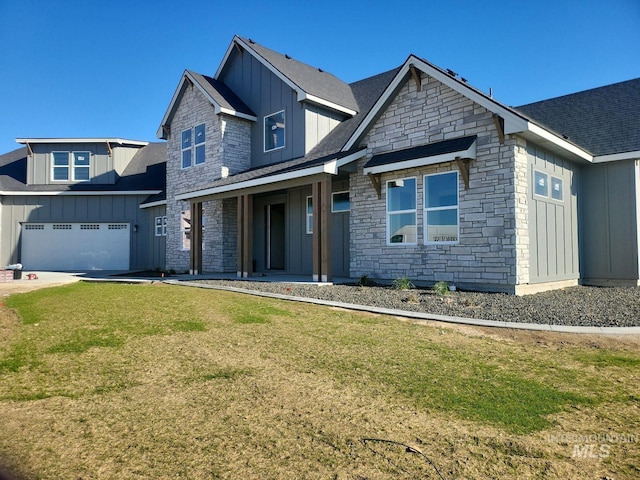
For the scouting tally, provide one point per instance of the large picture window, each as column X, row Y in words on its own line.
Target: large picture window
column 441, row 208
column 402, row 211
column 274, row 131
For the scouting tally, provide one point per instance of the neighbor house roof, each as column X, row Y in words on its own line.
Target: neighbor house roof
column 604, row 120
column 145, row 173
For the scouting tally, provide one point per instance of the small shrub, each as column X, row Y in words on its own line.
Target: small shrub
column 403, row 283
column 364, row 281
column 441, row 288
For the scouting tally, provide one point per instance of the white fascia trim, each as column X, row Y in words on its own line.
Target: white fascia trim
column 79, row 194
column 119, row 141
column 421, row 162
column 513, row 123
column 546, row 135
column 159, row 203
column 320, row 101
column 167, row 113
column 330, row 167
column 614, row 157
column 235, row 113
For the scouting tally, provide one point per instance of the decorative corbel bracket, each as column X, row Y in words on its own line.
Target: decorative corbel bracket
column 415, row 73
column 499, row 123
column 463, row 166
column 109, row 149
column 375, row 181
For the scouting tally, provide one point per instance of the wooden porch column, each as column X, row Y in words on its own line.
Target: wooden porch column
column 245, row 236
column 321, row 200
column 195, row 250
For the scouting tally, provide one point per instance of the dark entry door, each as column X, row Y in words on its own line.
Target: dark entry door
column 276, row 236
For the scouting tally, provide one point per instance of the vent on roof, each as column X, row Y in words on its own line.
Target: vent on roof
column 251, row 40
column 320, row 70
column 287, row 56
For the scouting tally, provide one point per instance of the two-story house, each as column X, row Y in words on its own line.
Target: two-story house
column 277, row 166
column 77, row 204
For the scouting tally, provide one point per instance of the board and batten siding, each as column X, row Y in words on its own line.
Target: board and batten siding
column 40, row 163
column 18, row 209
column 266, row 94
column 553, row 224
column 609, row 223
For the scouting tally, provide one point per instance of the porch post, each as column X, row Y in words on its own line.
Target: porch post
column 245, row 236
column 195, row 250
column 321, row 241
column 325, row 231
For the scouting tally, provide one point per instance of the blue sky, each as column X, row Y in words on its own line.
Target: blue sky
column 108, row 68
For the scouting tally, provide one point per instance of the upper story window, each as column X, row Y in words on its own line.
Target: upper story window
column 441, row 208
column 74, row 166
column 402, row 211
column 199, row 135
column 186, row 148
column 274, row 131
column 193, row 146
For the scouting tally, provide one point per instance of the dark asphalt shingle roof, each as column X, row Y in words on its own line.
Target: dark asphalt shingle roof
column 604, row 120
column 422, row 151
column 311, row 80
column 146, row 171
column 222, row 94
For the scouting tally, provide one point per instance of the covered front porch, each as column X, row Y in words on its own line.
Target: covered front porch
column 291, row 222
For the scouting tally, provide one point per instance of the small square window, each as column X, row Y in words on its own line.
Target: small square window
column 274, row 129
column 541, row 184
column 340, row 202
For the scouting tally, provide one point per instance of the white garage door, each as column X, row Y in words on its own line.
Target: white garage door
column 75, row 246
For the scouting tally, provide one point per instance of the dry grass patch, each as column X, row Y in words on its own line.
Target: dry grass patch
column 124, row 381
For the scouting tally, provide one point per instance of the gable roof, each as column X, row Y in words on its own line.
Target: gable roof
column 310, row 83
column 145, row 173
column 216, row 92
column 604, row 120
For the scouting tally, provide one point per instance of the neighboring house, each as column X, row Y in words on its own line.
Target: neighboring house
column 79, row 204
column 277, row 166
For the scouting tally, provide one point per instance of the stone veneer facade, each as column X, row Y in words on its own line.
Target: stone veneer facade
column 492, row 252
column 227, row 151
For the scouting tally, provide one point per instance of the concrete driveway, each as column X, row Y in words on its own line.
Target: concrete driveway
column 44, row 279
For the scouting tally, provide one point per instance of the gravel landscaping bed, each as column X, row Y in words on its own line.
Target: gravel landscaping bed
column 577, row 306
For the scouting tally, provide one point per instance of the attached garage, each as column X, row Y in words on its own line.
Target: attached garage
column 76, row 246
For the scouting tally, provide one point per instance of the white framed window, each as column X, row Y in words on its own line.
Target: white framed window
column 81, row 165
column 557, row 192
column 402, row 225
column 199, row 143
column 60, row 166
column 161, row 226
column 186, row 148
column 309, row 215
column 340, row 202
column 441, row 221
column 540, row 183
column 185, row 229
column 274, row 131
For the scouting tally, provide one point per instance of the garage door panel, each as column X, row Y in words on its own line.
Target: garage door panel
column 76, row 246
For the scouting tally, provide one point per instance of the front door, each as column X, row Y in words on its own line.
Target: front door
column 276, row 236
